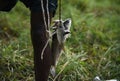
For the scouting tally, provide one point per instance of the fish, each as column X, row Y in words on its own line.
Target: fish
column 61, row 33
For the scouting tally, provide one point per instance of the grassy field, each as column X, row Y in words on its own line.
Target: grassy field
column 92, row 50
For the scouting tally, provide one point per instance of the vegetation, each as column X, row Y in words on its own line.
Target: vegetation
column 92, row 50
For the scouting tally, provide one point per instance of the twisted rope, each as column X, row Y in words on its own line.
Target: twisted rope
column 47, row 28
column 60, row 9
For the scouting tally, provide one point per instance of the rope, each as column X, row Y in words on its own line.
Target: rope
column 60, row 9
column 43, row 13
column 47, row 28
column 48, row 15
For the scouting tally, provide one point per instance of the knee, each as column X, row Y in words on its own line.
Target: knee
column 38, row 31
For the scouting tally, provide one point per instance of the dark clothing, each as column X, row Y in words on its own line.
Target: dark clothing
column 38, row 33
column 33, row 5
column 7, row 5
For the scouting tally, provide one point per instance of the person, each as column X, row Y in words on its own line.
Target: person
column 38, row 32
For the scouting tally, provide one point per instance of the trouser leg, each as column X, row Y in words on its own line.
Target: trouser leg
column 39, row 39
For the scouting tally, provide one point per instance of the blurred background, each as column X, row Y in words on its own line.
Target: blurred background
column 92, row 50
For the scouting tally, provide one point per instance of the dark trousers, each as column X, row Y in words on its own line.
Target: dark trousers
column 39, row 39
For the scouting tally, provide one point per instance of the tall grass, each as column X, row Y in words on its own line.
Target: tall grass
column 92, row 50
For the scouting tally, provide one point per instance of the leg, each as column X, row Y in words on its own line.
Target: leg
column 39, row 38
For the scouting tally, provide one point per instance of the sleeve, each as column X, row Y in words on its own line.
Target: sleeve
column 7, row 5
column 35, row 5
column 27, row 3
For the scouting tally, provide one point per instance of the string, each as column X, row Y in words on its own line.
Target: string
column 46, row 26
column 48, row 16
column 43, row 13
column 60, row 10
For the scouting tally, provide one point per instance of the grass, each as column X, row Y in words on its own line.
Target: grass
column 92, row 50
